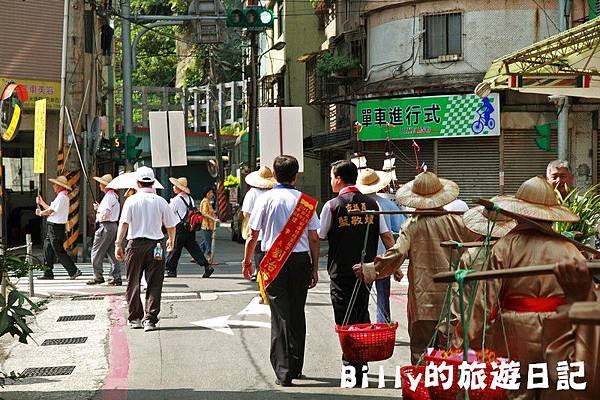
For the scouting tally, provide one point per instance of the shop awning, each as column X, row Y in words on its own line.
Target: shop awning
column 566, row 64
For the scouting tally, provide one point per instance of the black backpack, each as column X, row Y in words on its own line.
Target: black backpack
column 193, row 218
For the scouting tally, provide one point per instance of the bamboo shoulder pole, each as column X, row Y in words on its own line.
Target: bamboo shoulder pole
column 585, row 312
column 547, row 269
column 466, row 245
column 542, row 228
column 406, row 212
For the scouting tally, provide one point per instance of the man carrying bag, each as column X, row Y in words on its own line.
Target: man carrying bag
column 289, row 225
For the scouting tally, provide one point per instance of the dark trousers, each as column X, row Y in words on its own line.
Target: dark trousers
column 341, row 289
column 258, row 257
column 53, row 248
column 139, row 258
column 184, row 239
column 287, row 298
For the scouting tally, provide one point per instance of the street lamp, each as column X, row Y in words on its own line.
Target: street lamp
column 276, row 46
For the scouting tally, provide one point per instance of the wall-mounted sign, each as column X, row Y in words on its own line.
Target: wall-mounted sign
column 37, row 90
column 39, row 137
column 11, row 103
column 429, row 117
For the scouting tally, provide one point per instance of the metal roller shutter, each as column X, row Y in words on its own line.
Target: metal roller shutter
column 523, row 159
column 474, row 164
column 405, row 157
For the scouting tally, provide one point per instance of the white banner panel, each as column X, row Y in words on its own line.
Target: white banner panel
column 177, row 134
column 280, row 130
column 160, row 136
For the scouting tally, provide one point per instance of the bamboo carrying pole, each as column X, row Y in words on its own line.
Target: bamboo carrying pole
column 533, row 270
column 542, row 228
column 413, row 212
column 465, row 245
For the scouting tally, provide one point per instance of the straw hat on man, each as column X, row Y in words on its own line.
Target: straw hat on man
column 62, row 182
column 526, row 302
column 420, row 240
column 181, row 184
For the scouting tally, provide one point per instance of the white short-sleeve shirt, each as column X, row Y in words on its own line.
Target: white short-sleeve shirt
column 250, row 201
column 271, row 213
column 179, row 205
column 110, row 206
column 146, row 212
column 60, row 206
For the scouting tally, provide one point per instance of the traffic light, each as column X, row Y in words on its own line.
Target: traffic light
column 544, row 138
column 254, row 17
column 117, row 145
column 133, row 153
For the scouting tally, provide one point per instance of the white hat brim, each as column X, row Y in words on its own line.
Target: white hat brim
column 383, row 181
column 255, row 180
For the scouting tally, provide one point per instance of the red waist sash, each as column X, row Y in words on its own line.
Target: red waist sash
column 532, row 304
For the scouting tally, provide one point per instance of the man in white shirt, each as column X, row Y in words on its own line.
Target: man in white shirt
column 287, row 292
column 260, row 182
column 107, row 221
column 144, row 215
column 184, row 238
column 57, row 214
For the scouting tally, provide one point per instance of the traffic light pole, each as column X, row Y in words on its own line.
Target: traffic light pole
column 253, row 101
column 127, row 78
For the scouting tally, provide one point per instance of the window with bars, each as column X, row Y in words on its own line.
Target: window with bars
column 443, row 35
column 280, row 18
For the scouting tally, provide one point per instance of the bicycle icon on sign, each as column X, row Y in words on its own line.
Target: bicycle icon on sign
column 485, row 117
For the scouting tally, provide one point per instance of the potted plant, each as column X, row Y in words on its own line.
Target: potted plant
column 15, row 307
column 587, row 206
column 337, row 66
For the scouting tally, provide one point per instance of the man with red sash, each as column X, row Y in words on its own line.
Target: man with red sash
column 346, row 236
column 287, row 220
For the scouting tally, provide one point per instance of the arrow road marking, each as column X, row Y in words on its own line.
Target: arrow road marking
column 255, row 308
column 223, row 324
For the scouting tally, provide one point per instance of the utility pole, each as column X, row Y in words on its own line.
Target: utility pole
column 564, row 16
column 215, row 125
column 63, row 75
column 253, row 101
column 127, row 79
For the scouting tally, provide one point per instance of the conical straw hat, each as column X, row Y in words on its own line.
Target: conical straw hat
column 371, row 181
column 536, row 199
column 104, row 179
column 61, row 181
column 181, row 183
column 427, row 191
column 479, row 220
column 261, row 179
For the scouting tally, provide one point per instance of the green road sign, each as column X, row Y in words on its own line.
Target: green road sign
column 429, row 117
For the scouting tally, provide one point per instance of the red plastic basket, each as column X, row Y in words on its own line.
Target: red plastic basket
column 438, row 393
column 362, row 343
column 421, row 392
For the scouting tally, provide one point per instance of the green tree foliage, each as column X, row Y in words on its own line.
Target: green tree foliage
column 156, row 50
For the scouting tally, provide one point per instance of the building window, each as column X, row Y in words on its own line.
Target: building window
column 280, row 19
column 443, row 35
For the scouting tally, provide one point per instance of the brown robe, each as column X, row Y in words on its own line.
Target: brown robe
column 523, row 246
column 566, row 342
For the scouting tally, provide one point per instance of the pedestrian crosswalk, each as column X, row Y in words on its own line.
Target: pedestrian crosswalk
column 61, row 285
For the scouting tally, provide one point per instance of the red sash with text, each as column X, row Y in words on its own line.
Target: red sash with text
column 285, row 242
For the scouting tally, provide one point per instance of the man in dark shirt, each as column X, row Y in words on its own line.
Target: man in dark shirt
column 346, row 236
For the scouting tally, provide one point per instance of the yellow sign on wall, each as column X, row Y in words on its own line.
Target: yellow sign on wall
column 39, row 139
column 38, row 90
